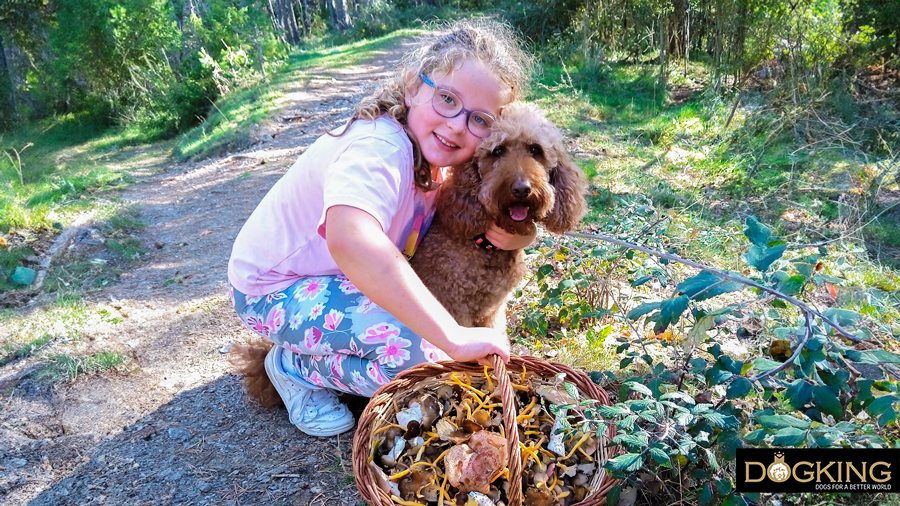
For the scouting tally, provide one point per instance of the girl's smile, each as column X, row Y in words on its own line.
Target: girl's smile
column 447, row 141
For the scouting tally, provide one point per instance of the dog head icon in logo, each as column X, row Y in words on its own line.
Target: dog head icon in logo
column 779, row 471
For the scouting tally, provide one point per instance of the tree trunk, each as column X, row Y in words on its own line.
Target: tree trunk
column 6, row 77
column 339, row 15
column 292, row 21
column 687, row 39
column 305, row 6
column 287, row 21
column 190, row 43
column 662, row 52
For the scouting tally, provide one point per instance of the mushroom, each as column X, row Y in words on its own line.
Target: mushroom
column 471, row 466
column 479, row 499
column 391, row 458
column 412, row 413
column 431, row 411
column 445, row 392
column 482, row 418
column 430, row 492
column 539, row 495
column 556, row 434
column 414, row 481
column 413, row 430
column 383, row 482
column 470, row 426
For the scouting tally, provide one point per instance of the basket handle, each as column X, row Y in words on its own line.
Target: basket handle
column 514, row 496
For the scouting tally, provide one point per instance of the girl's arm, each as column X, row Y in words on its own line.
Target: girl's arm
column 372, row 262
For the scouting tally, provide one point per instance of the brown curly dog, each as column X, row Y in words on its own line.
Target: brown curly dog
column 520, row 176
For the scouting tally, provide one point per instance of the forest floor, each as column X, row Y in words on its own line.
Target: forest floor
column 173, row 425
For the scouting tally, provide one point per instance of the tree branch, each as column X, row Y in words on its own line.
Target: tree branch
column 807, row 310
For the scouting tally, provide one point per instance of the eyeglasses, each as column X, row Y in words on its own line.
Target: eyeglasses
column 448, row 105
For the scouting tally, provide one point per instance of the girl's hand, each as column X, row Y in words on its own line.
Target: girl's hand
column 477, row 343
column 504, row 240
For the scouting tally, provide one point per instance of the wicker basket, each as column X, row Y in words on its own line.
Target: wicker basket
column 382, row 407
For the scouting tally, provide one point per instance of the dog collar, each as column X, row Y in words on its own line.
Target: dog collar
column 482, row 242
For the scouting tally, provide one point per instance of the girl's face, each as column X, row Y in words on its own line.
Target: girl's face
column 447, row 141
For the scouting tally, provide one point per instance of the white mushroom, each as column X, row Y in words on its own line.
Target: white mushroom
column 556, row 436
column 390, row 459
column 414, row 412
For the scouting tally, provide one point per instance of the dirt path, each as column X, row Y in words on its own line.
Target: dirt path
column 178, row 429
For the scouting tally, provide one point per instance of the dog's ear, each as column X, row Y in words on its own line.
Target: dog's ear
column 457, row 204
column 569, row 185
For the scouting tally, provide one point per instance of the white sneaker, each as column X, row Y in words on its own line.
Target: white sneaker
column 314, row 410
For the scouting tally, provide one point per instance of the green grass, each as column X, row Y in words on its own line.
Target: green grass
column 12, row 351
column 64, row 367
column 73, row 161
column 641, row 149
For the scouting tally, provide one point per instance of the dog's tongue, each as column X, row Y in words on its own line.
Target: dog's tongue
column 518, row 212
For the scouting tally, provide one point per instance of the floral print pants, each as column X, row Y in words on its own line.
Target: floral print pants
column 339, row 339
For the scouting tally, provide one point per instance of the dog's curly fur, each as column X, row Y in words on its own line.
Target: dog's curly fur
column 521, row 165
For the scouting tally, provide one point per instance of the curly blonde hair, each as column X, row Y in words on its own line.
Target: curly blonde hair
column 491, row 43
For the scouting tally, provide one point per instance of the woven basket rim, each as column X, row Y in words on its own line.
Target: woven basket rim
column 381, row 407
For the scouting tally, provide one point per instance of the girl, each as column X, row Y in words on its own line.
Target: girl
column 320, row 268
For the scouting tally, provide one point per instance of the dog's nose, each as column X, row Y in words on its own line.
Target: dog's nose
column 521, row 189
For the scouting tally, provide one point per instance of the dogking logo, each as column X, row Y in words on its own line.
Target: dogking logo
column 778, row 471
column 818, row 470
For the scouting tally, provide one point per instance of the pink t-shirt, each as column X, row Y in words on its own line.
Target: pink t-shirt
column 370, row 168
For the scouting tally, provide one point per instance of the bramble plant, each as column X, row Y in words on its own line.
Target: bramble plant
column 680, row 417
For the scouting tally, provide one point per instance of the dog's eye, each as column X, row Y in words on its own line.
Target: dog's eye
column 535, row 150
column 498, row 151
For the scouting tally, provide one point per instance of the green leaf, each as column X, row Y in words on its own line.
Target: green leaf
column 627, row 463
column 731, row 364
column 721, row 420
column 612, row 411
column 756, row 231
column 828, row 439
column 799, row 393
column 755, row 436
column 711, row 459
column 678, row 395
column 764, row 364
column 566, row 284
column 789, row 436
column 627, row 423
column 641, row 310
column 638, row 439
column 762, row 257
column 781, row 421
column 660, row 457
column 790, row 285
column 843, row 317
column 826, row 401
column 638, row 387
column 613, row 494
column 693, row 286
column 882, row 404
column 876, row 357
column 640, row 281
column 572, row 390
column 544, row 270
column 670, row 311
column 716, row 375
column 706, row 495
column 738, row 388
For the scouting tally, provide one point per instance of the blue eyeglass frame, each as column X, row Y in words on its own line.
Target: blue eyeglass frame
column 468, row 112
